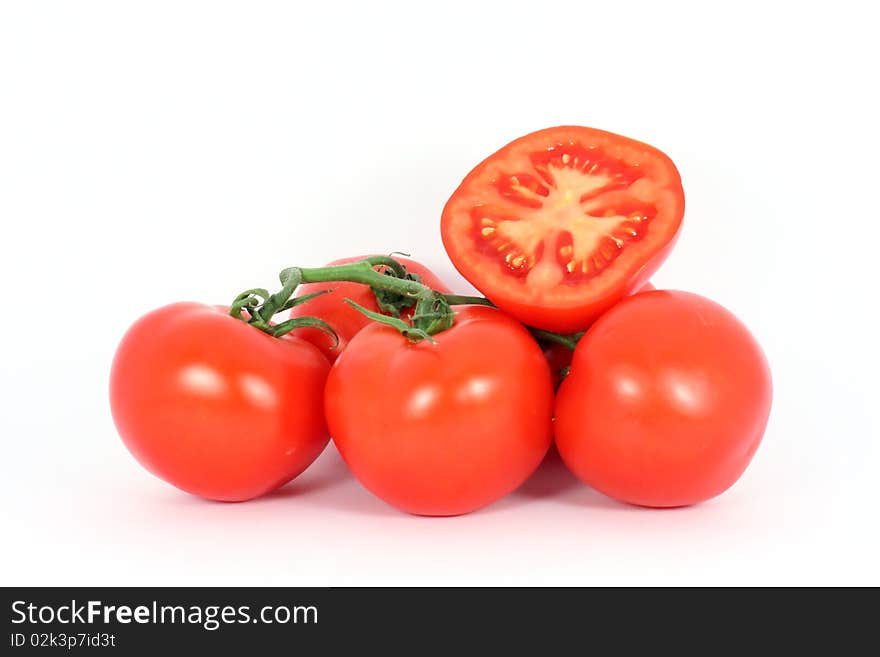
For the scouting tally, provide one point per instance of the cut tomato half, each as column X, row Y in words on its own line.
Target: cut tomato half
column 559, row 225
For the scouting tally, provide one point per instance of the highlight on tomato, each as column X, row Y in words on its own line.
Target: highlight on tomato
column 666, row 402
column 443, row 426
column 561, row 224
column 344, row 319
column 216, row 407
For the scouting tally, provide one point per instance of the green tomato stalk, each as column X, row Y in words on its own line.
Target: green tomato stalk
column 394, row 288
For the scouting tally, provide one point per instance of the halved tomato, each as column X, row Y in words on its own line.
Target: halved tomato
column 559, row 225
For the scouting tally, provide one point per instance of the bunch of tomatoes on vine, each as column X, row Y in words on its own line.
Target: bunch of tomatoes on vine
column 441, row 403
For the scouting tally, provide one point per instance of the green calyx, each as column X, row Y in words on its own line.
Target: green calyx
column 409, row 332
column 392, row 302
column 433, row 314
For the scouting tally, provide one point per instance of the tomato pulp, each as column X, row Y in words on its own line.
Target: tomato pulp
column 559, row 225
column 345, row 320
column 217, row 407
column 446, row 428
column 666, row 403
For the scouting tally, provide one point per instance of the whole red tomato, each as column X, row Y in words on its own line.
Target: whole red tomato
column 344, row 319
column 559, row 225
column 217, row 407
column 666, row 403
column 442, row 429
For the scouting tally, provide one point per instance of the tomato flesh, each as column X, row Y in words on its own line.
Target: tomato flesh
column 561, row 224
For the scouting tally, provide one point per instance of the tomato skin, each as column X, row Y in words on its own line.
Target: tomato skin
column 442, row 429
column 215, row 406
column 344, row 319
column 559, row 356
column 554, row 300
column 667, row 401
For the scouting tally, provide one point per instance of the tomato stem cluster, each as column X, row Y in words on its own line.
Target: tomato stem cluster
column 394, row 288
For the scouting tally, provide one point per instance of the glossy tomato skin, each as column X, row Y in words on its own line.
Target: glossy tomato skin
column 578, row 239
column 559, row 356
column 442, row 429
column 344, row 319
column 667, row 401
column 215, row 406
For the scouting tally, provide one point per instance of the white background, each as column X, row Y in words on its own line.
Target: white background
column 161, row 151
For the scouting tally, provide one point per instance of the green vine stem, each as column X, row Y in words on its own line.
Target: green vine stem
column 362, row 272
column 394, row 288
column 405, row 329
column 569, row 341
column 461, row 300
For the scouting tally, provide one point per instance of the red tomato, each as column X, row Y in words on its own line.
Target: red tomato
column 442, row 429
column 215, row 406
column 559, row 225
column 344, row 319
column 559, row 356
column 666, row 403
